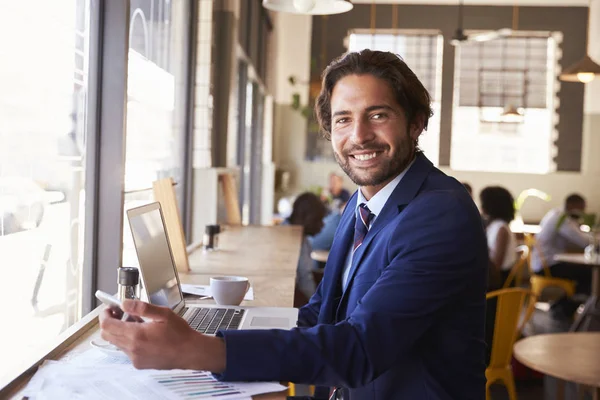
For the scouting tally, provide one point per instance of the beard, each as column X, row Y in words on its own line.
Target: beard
column 389, row 166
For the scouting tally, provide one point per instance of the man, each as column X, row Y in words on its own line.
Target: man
column 400, row 311
column 560, row 233
column 339, row 195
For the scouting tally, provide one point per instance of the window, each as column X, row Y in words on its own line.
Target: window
column 44, row 79
column 515, row 73
column 203, row 102
column 156, row 92
column 422, row 51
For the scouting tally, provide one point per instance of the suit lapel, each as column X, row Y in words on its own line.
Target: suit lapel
column 337, row 260
column 406, row 190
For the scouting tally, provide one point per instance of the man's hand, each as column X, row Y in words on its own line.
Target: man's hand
column 165, row 342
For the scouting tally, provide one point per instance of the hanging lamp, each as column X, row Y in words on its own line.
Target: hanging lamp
column 511, row 113
column 309, row 7
column 586, row 69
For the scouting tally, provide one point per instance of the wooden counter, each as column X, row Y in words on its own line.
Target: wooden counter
column 251, row 251
column 267, row 255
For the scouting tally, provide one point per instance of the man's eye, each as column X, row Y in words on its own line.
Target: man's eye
column 341, row 121
column 378, row 116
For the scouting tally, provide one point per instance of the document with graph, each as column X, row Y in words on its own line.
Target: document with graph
column 94, row 375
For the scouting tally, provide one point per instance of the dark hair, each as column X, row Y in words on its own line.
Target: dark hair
column 498, row 203
column 468, row 187
column 308, row 210
column 409, row 92
column 574, row 200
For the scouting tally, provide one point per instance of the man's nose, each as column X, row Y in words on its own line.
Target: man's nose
column 362, row 132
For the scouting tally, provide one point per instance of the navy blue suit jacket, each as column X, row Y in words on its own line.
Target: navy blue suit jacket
column 410, row 325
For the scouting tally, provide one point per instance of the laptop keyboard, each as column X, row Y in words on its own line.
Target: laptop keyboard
column 211, row 320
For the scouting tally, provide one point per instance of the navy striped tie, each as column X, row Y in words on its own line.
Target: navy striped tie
column 363, row 220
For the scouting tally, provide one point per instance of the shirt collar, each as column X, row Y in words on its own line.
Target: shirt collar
column 378, row 201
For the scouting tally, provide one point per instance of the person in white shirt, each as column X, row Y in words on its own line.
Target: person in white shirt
column 560, row 233
column 498, row 208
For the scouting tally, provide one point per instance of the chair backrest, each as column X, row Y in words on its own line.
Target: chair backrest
column 164, row 193
column 531, row 242
column 230, row 195
column 516, row 272
column 508, row 323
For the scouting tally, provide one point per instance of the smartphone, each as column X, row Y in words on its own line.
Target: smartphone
column 108, row 299
column 111, row 301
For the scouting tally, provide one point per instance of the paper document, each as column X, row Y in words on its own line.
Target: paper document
column 204, row 290
column 93, row 375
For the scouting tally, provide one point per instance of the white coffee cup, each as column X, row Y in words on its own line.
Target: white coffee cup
column 229, row 290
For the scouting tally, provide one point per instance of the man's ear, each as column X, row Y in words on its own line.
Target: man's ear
column 416, row 126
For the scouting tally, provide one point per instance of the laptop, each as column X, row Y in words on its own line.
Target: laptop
column 162, row 287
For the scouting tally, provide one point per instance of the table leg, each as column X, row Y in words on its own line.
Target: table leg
column 591, row 310
column 596, row 281
column 560, row 389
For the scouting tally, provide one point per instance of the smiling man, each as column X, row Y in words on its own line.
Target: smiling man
column 399, row 313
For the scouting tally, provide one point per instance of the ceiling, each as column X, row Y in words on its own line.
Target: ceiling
column 561, row 3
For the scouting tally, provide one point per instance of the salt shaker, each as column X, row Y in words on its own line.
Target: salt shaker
column 128, row 281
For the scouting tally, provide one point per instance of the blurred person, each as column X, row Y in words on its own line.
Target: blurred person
column 336, row 194
column 468, row 187
column 560, row 233
column 307, row 211
column 498, row 208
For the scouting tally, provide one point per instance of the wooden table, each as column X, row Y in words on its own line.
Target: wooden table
column 275, row 249
column 591, row 309
column 570, row 357
column 251, row 251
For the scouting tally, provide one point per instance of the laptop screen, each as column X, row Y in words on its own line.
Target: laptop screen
column 154, row 255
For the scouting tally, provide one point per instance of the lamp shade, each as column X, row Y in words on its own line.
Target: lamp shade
column 309, row 7
column 511, row 114
column 585, row 70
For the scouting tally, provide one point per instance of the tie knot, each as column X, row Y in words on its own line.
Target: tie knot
column 365, row 214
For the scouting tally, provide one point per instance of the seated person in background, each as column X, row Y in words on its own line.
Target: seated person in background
column 308, row 211
column 468, row 187
column 498, row 208
column 560, row 233
column 336, row 194
column 324, row 239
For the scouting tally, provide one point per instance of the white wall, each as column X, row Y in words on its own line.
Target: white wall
column 293, row 55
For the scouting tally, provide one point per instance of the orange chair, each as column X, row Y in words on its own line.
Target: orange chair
column 516, row 272
column 507, row 325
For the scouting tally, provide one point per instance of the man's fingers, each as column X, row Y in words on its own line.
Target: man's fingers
column 142, row 309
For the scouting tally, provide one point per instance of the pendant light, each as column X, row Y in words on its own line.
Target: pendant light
column 308, row 7
column 372, row 23
column 586, row 69
column 511, row 113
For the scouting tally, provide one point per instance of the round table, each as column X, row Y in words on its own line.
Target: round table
column 591, row 310
column 573, row 357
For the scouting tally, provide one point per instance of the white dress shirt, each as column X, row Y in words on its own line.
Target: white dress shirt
column 558, row 233
column 375, row 205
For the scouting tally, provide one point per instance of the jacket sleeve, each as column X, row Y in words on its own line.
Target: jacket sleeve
column 309, row 314
column 435, row 252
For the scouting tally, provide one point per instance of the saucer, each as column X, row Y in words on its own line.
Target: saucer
column 106, row 347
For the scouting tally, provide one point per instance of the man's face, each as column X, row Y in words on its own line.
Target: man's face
column 371, row 139
column 335, row 183
column 577, row 209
